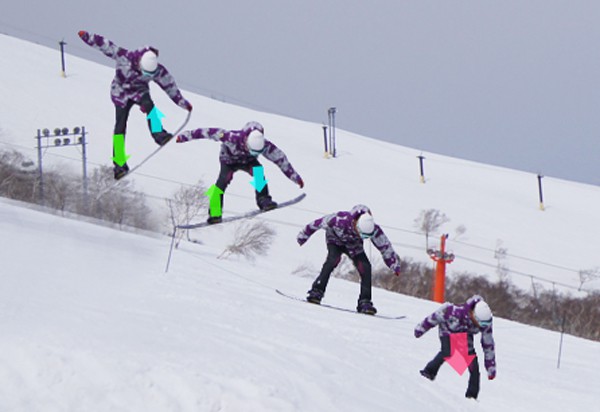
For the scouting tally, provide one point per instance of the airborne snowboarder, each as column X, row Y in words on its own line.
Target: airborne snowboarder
column 345, row 232
column 239, row 151
column 134, row 70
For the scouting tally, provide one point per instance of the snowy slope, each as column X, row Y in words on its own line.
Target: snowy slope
column 90, row 320
column 498, row 207
column 93, row 323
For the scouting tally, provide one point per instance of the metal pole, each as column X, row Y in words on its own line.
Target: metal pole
column 40, row 172
column 421, row 158
column 562, row 334
column 85, row 177
column 325, row 140
column 63, row 72
column 540, row 191
column 334, row 149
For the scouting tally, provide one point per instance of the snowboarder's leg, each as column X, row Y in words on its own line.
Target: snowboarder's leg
column 225, row 177
column 362, row 264
column 474, row 376
column 264, row 201
column 161, row 136
column 431, row 370
column 334, row 255
column 121, row 116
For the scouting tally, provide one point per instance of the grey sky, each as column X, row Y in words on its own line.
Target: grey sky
column 512, row 83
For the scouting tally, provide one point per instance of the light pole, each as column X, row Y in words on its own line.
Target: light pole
column 62, row 137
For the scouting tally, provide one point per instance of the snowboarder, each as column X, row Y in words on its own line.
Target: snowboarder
column 345, row 232
column 471, row 317
column 134, row 70
column 239, row 151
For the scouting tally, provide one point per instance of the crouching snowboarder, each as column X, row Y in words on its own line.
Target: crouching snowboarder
column 345, row 232
column 471, row 317
column 134, row 70
column 239, row 151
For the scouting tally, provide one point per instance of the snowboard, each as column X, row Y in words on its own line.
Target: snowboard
column 116, row 183
column 158, row 149
column 325, row 305
column 252, row 213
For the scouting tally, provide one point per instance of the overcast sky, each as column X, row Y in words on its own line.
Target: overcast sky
column 512, row 83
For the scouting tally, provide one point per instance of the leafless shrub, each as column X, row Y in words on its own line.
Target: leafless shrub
column 186, row 205
column 305, row 270
column 251, row 238
column 120, row 204
column 18, row 180
column 415, row 279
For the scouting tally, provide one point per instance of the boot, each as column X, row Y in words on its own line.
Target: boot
column 120, row 171
column 366, row 307
column 267, row 204
column 315, row 296
column 214, row 220
column 162, row 138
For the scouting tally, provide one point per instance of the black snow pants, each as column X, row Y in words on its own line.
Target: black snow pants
column 226, row 176
column 474, row 377
column 361, row 262
column 122, row 115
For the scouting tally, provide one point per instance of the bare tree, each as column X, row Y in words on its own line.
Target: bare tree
column 588, row 275
column 186, row 205
column 250, row 239
column 429, row 221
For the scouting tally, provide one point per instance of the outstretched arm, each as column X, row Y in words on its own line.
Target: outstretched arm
column 431, row 321
column 100, row 43
column 312, row 227
column 276, row 155
column 212, row 133
column 167, row 82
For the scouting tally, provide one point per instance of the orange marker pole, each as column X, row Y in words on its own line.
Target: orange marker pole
column 439, row 280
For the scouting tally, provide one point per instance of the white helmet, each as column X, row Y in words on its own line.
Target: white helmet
column 482, row 313
column 365, row 225
column 149, row 61
column 256, row 142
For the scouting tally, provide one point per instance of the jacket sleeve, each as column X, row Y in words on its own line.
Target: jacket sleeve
column 167, row 82
column 212, row 133
column 489, row 351
column 313, row 226
column 383, row 244
column 432, row 320
column 276, row 155
column 105, row 46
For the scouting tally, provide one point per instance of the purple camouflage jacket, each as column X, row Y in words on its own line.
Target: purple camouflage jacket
column 235, row 151
column 129, row 82
column 456, row 319
column 340, row 231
